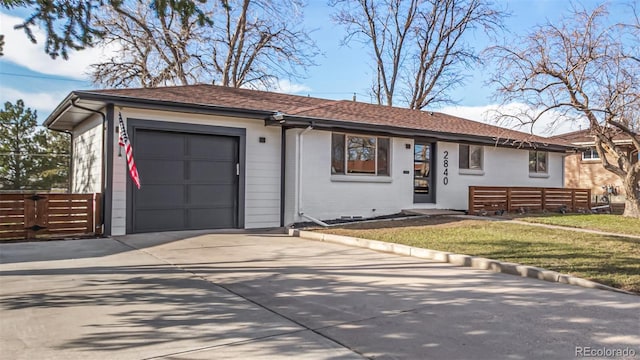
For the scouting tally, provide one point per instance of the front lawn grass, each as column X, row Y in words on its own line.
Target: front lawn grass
column 609, row 260
column 603, row 222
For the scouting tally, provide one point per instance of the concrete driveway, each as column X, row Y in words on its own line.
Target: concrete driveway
column 194, row 295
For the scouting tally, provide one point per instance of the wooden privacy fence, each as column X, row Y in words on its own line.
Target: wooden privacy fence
column 513, row 199
column 31, row 216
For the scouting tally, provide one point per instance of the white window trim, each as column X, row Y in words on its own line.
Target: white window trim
column 364, row 178
column 539, row 175
column 593, row 152
column 475, row 172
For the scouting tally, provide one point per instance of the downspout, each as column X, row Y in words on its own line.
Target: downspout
column 103, row 160
column 300, row 163
column 564, row 162
column 283, row 164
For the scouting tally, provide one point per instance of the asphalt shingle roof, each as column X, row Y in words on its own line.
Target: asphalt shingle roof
column 585, row 136
column 579, row 136
column 337, row 110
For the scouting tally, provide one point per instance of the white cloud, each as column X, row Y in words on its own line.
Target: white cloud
column 477, row 113
column 548, row 125
column 282, row 86
column 288, row 87
column 19, row 50
column 43, row 102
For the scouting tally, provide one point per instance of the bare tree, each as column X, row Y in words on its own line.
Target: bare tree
column 256, row 42
column 248, row 43
column 634, row 28
column 154, row 50
column 417, row 45
column 581, row 67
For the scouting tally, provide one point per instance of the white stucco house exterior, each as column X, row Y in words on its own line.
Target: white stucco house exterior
column 214, row 157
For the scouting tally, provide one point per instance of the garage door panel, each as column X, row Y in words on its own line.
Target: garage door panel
column 158, row 171
column 159, row 220
column 212, row 172
column 211, row 218
column 150, row 196
column 189, row 181
column 212, row 147
column 159, row 144
column 212, row 195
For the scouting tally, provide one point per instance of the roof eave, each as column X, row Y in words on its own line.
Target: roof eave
column 328, row 124
column 592, row 143
column 119, row 100
column 60, row 110
column 127, row 101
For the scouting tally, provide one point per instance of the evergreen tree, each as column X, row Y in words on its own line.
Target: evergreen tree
column 55, row 163
column 31, row 158
column 69, row 25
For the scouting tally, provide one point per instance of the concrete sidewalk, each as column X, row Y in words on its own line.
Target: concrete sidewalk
column 194, row 295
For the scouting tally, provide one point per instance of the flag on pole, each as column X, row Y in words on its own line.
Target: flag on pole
column 123, row 140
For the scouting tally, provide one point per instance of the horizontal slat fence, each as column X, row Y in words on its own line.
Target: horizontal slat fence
column 617, row 208
column 513, row 199
column 12, row 216
column 32, row 216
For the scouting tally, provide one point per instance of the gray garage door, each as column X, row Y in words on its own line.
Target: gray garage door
column 189, row 181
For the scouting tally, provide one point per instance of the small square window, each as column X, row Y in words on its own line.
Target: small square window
column 591, row 154
column 470, row 157
column 538, row 162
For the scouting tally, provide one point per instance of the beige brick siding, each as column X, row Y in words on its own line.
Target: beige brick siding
column 590, row 174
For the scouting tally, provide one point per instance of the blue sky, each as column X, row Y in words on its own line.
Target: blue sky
column 27, row 73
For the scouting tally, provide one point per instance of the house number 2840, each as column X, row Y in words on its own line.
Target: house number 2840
column 445, row 166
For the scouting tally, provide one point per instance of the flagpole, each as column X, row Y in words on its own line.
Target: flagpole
column 119, row 147
column 123, row 141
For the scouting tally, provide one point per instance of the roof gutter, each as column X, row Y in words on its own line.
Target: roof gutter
column 65, row 105
column 330, row 124
column 128, row 101
column 592, row 143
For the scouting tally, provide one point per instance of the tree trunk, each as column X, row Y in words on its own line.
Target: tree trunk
column 631, row 208
column 632, row 201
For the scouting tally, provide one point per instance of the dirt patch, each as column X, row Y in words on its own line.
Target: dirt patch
column 309, row 224
column 440, row 220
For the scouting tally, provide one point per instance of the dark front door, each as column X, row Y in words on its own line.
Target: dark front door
column 189, row 181
column 423, row 191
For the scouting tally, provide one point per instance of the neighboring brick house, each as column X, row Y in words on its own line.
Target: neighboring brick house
column 584, row 169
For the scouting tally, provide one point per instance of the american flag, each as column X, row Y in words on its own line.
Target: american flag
column 124, row 141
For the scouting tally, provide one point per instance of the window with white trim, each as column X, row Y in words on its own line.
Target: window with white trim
column 470, row 157
column 359, row 155
column 591, row 154
column 538, row 162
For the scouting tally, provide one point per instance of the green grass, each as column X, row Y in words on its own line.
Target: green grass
column 608, row 260
column 609, row 223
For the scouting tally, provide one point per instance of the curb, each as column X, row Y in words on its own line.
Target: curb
column 456, row 259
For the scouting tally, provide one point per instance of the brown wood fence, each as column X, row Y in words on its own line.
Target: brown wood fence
column 514, row 199
column 31, row 216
